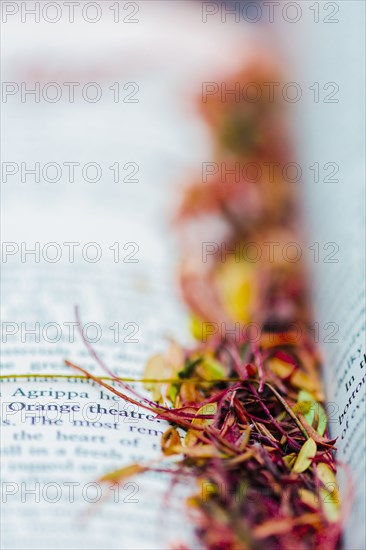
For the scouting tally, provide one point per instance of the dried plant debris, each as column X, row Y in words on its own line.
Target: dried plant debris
column 247, row 413
column 257, row 445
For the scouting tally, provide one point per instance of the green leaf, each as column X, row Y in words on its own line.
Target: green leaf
column 189, row 367
column 173, row 392
column 312, row 411
column 305, row 456
column 211, row 369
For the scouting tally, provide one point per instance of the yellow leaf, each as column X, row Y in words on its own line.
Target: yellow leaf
column 330, row 506
column 279, row 367
column 303, row 381
column 175, row 357
column 309, row 498
column 305, row 456
column 208, row 409
column 245, row 438
column 155, row 370
column 189, row 393
column 198, row 451
column 326, row 474
column 207, row 489
column 289, row 460
column 235, row 282
column 298, row 378
column 196, row 327
column 329, row 492
column 169, row 441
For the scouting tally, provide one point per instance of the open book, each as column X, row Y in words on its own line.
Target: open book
column 88, row 188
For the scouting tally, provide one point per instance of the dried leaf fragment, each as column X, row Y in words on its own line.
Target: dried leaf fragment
column 305, row 456
column 123, row 473
column 170, row 440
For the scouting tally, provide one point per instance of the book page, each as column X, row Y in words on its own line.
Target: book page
column 334, row 200
column 89, row 191
column 325, row 53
